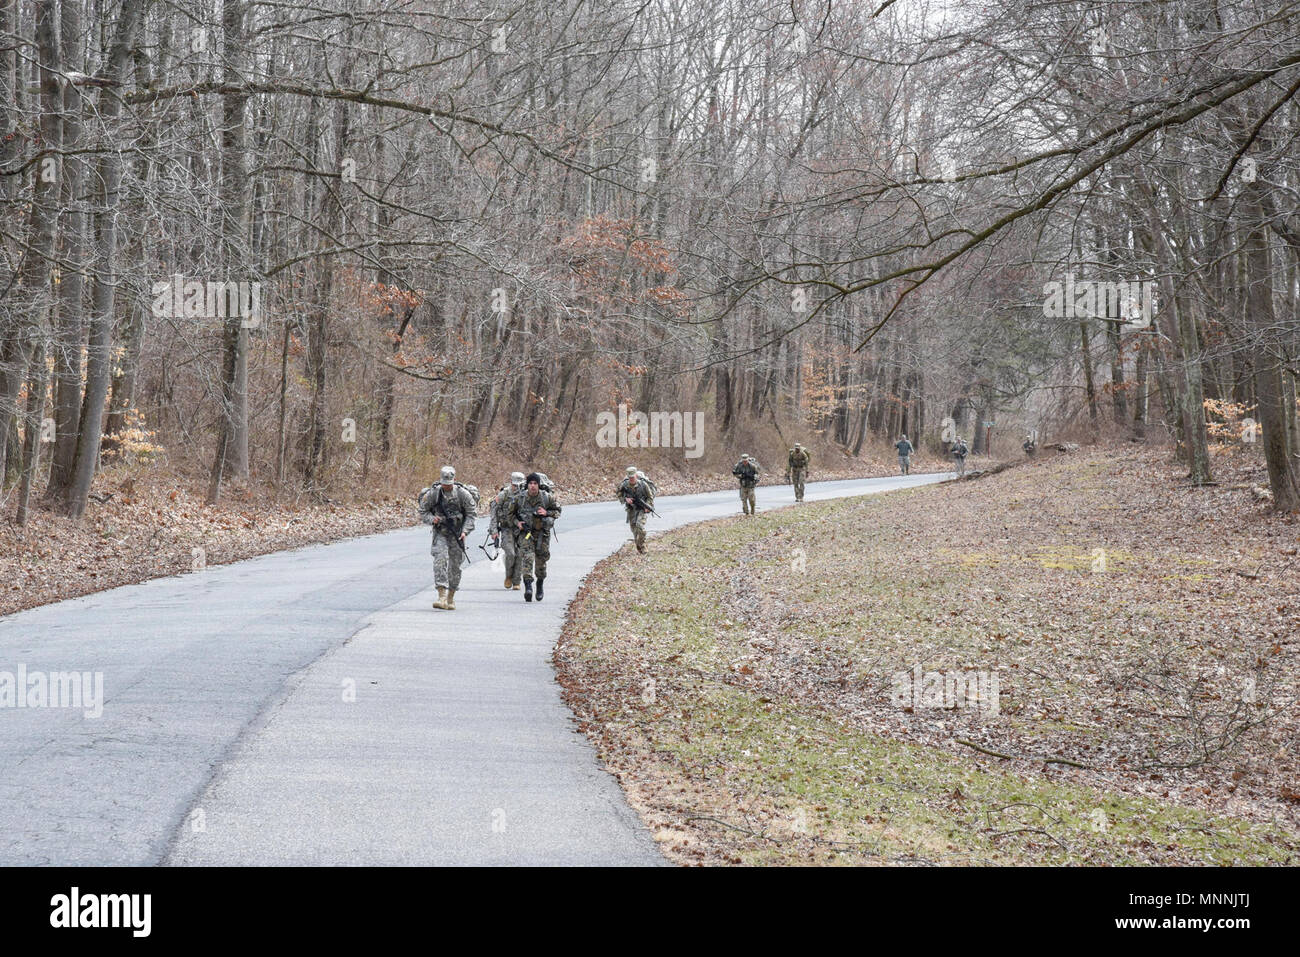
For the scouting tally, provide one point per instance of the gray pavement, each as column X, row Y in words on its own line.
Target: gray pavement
column 309, row 707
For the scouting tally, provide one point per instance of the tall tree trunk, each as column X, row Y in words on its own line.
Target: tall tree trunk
column 1191, row 399
column 330, row 216
column 1118, row 395
column 126, row 374
column 231, row 456
column 70, row 329
column 1271, row 392
column 1141, row 384
column 32, row 299
column 108, row 178
column 1088, row 380
column 32, row 432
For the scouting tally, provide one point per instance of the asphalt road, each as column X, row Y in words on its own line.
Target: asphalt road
column 309, row 707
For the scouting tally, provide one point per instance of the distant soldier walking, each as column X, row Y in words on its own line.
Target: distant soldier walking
column 959, row 452
column 449, row 508
column 502, row 532
column 637, row 494
column 747, row 470
column 904, row 454
column 798, row 461
column 532, row 513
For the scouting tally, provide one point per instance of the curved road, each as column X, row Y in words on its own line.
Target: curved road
column 309, row 707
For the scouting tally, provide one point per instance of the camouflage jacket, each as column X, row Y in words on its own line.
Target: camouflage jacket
column 523, row 506
column 641, row 493
column 458, row 504
column 497, row 511
column 799, row 458
column 747, row 472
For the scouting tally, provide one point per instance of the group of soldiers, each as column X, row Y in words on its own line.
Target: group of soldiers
column 747, row 470
column 959, row 450
column 522, row 514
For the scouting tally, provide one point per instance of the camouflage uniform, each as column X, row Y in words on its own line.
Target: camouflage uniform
column 500, row 528
column 640, row 492
column 447, row 554
column 798, row 462
column 747, row 471
column 904, row 455
column 959, row 452
column 533, row 540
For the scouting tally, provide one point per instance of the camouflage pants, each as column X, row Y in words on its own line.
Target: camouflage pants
column 534, row 553
column 905, row 463
column 636, row 522
column 447, row 557
column 798, row 476
column 961, row 464
column 509, row 555
column 747, row 503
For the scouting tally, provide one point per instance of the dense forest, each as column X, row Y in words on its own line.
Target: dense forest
column 296, row 245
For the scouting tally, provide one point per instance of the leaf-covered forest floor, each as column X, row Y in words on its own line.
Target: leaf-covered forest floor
column 750, row 681
column 147, row 521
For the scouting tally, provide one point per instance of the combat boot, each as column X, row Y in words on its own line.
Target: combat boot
column 528, row 589
column 508, row 581
column 517, row 586
column 442, row 599
column 451, row 599
column 539, row 587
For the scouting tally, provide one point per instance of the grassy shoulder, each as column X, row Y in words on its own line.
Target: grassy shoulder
column 772, row 690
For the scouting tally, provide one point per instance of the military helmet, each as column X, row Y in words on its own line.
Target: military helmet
column 516, row 478
column 448, row 474
column 631, row 470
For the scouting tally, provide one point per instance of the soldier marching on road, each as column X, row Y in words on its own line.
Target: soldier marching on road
column 959, row 452
column 747, row 471
column 502, row 532
column 638, row 498
column 532, row 513
column 449, row 508
column 799, row 459
column 904, row 455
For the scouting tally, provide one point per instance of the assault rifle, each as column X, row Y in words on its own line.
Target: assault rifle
column 641, row 505
column 528, row 527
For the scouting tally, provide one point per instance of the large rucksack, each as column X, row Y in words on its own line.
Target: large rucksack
column 427, row 505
